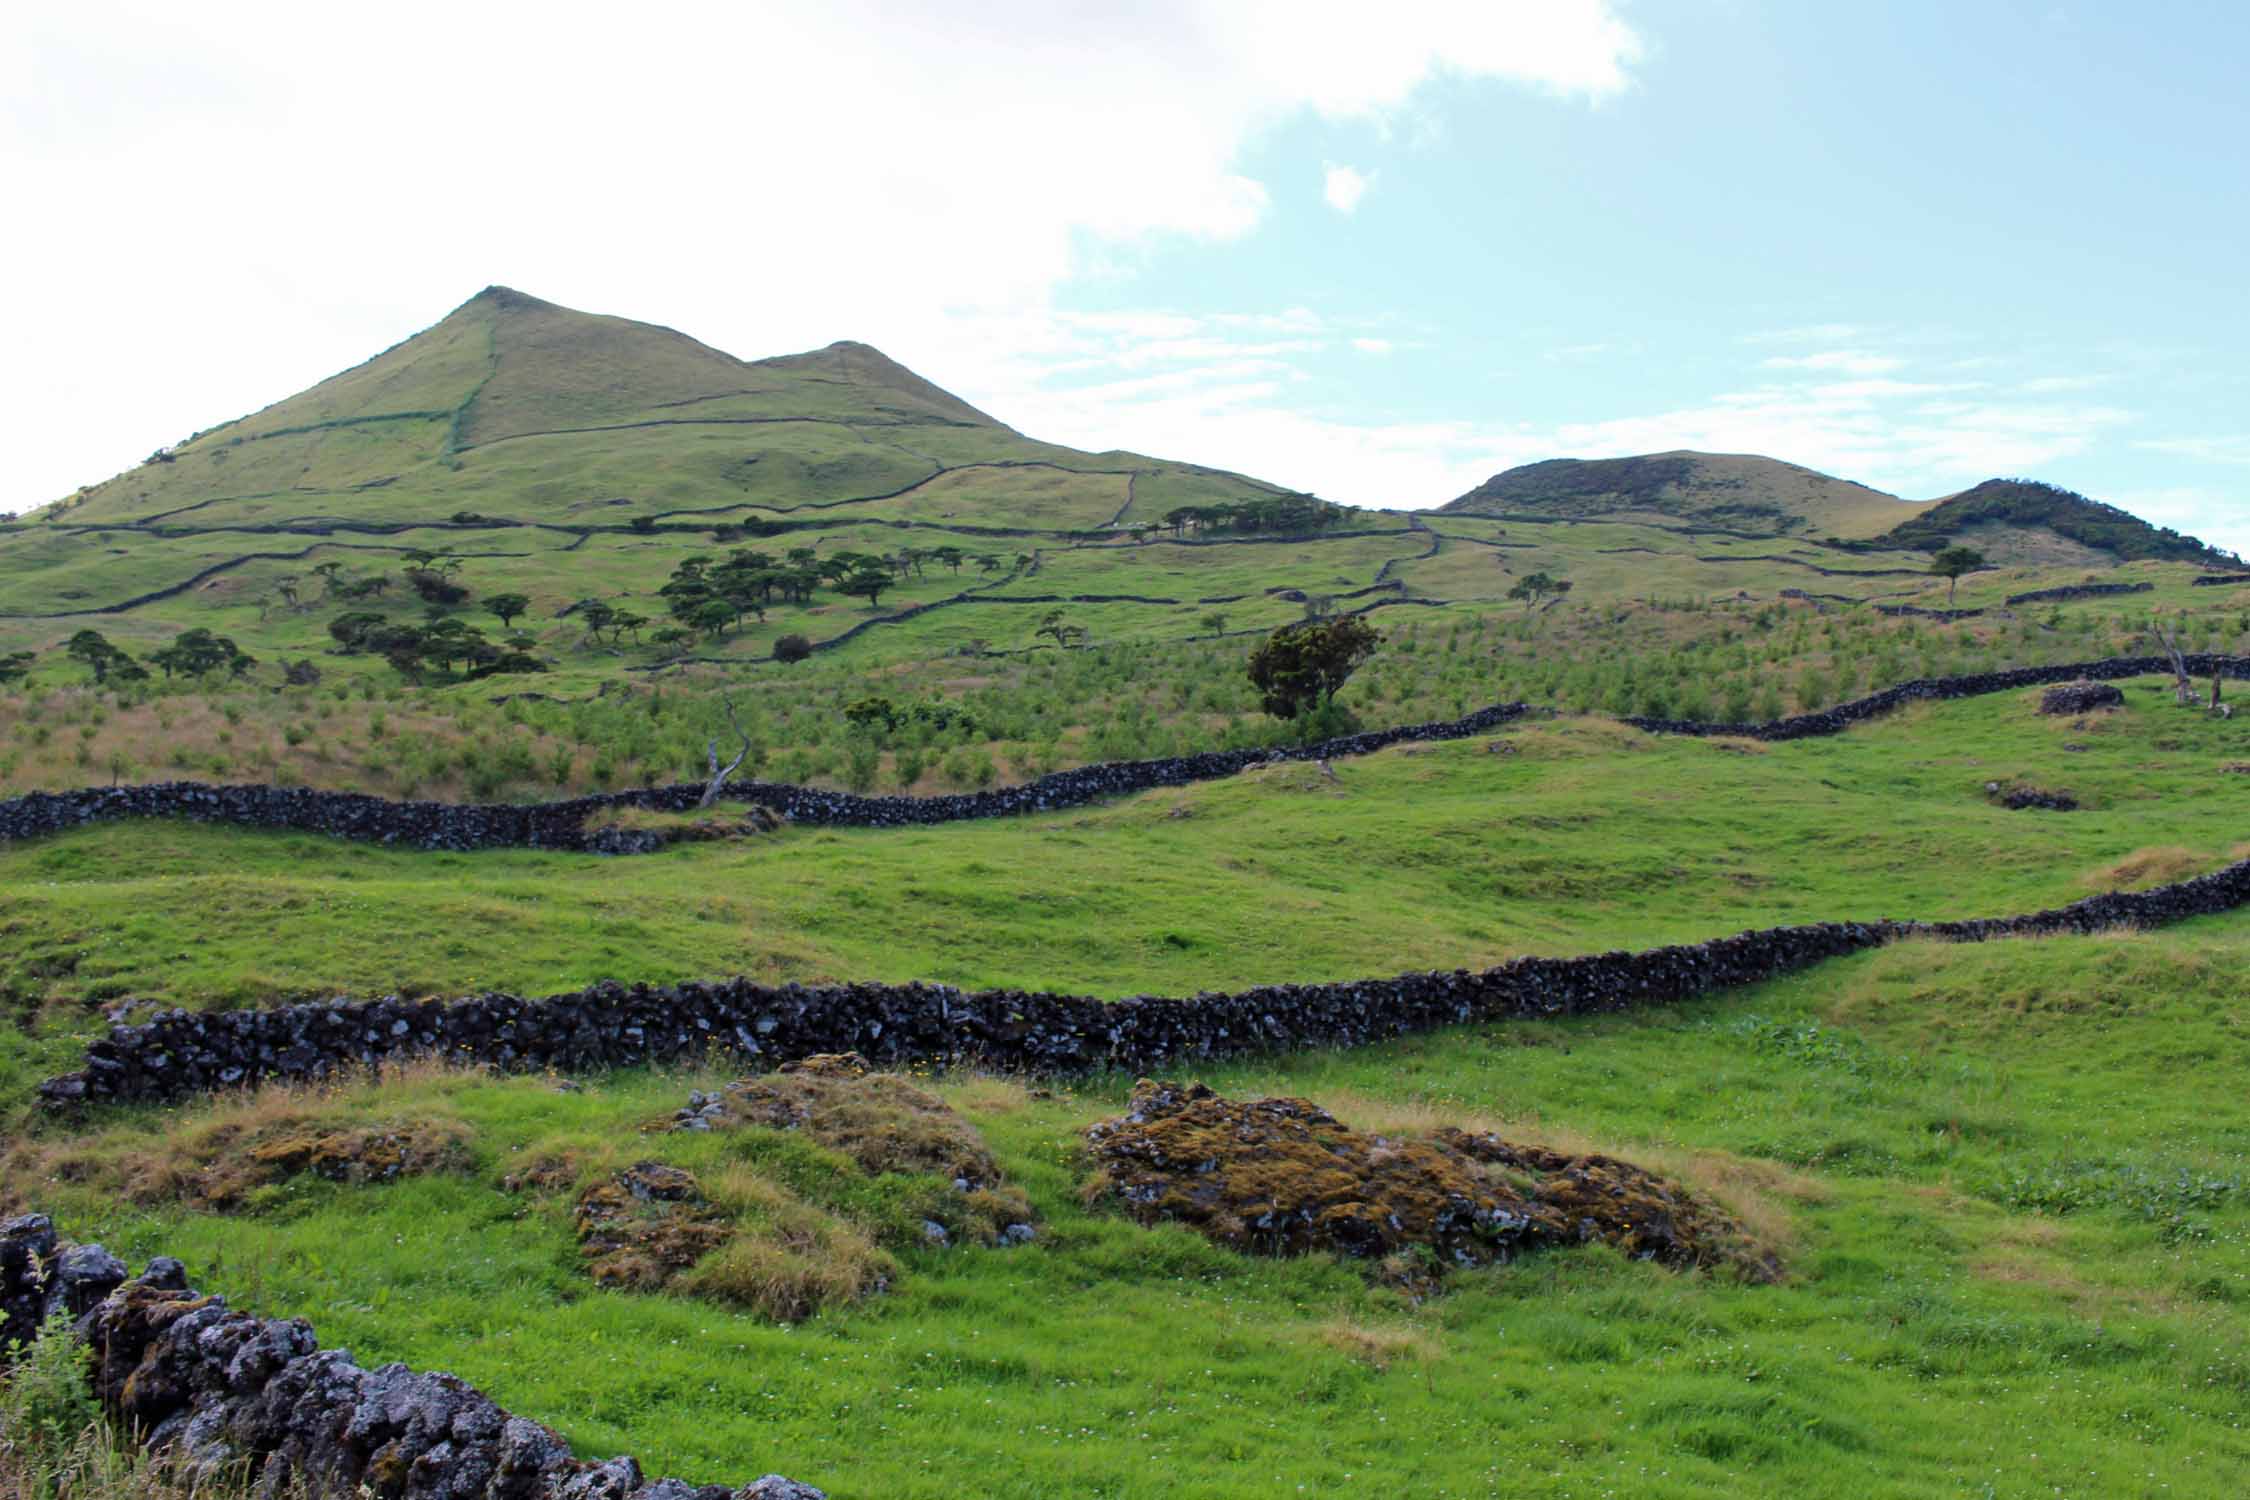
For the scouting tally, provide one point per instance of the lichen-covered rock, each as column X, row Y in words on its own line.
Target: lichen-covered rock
column 229, row 1397
column 884, row 1122
column 2017, row 797
column 647, row 1224
column 1283, row 1176
column 2080, row 697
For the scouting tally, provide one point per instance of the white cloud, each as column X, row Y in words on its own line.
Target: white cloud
column 232, row 208
column 1918, row 438
column 1809, row 333
column 2222, row 520
column 1843, row 361
column 1374, row 346
column 2229, row 449
column 1343, row 187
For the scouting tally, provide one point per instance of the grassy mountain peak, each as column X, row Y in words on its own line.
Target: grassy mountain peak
column 1734, row 491
column 1997, row 514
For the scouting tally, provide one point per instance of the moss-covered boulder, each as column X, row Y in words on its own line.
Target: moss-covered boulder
column 1285, row 1177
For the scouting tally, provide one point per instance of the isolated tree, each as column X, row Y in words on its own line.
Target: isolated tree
column 1951, row 564
column 1215, row 622
column 1061, row 631
column 1533, row 587
column 93, row 651
column 15, row 666
column 1299, row 667
column 507, row 607
column 791, row 648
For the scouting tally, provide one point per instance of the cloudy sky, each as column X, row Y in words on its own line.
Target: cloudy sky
column 1375, row 251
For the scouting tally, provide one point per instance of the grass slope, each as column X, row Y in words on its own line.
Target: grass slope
column 1988, row 1293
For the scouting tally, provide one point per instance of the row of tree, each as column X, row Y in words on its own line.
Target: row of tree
column 1286, row 514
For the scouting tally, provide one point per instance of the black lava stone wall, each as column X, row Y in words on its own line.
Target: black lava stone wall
column 618, row 1025
column 232, row 1397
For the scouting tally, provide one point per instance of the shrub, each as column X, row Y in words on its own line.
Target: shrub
column 791, row 648
column 47, row 1408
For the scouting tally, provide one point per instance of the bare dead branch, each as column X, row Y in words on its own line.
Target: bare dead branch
column 720, row 774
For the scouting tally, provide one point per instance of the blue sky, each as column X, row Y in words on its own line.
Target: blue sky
column 1376, row 252
column 1919, row 244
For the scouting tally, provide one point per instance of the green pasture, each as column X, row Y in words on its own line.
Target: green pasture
column 2006, row 1183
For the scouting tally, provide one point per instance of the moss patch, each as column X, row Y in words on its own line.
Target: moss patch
column 1285, row 1177
column 885, row 1123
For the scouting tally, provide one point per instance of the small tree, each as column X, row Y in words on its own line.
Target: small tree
column 93, row 650
column 1299, row 667
column 506, row 607
column 791, row 648
column 15, row 666
column 1061, row 631
column 597, row 614
column 1533, row 587
column 1951, row 564
column 1215, row 622
column 870, row 578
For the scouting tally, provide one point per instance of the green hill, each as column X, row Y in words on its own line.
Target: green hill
column 2004, row 517
column 1734, row 491
column 2015, row 522
column 518, row 409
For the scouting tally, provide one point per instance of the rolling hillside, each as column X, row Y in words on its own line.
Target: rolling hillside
column 524, row 411
column 1733, row 491
column 580, row 462
column 2015, row 522
column 2024, row 520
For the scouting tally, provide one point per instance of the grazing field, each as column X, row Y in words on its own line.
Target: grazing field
column 2006, row 1183
column 531, row 553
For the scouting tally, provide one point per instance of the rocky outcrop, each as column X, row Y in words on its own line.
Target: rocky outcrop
column 218, row 1391
column 2080, row 698
column 1285, row 1177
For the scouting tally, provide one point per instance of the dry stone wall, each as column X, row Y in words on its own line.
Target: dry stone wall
column 561, row 825
column 1840, row 718
column 224, row 1393
column 2079, row 591
column 615, row 1025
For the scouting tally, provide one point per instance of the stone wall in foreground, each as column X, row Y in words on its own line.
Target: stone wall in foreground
column 612, row 1025
column 226, row 1394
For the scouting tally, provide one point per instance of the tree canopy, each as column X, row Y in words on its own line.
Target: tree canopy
column 1299, row 667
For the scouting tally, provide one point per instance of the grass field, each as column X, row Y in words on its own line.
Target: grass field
column 2007, row 1183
